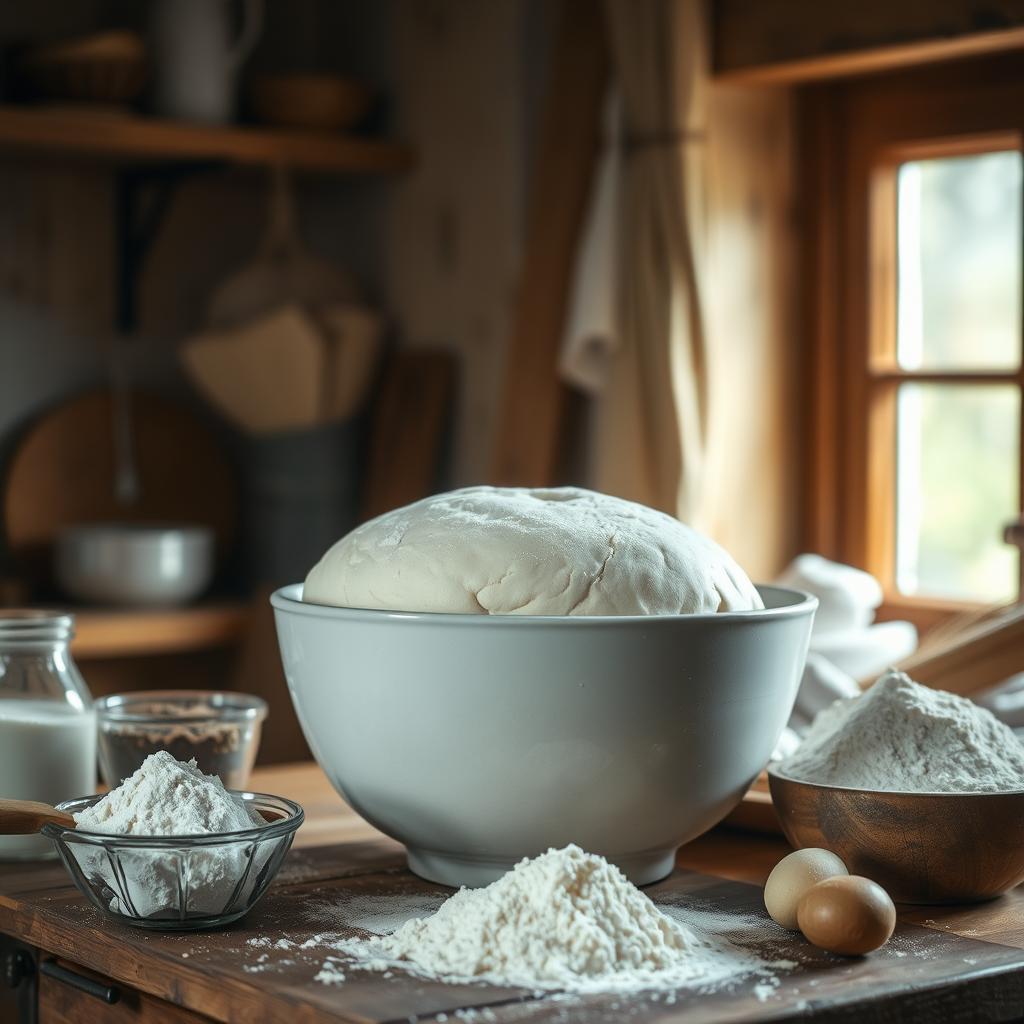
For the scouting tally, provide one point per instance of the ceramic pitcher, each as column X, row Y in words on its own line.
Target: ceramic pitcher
column 196, row 61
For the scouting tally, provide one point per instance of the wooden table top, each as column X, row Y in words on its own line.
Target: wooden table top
column 961, row 963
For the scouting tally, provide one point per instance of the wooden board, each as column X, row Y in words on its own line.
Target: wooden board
column 129, row 137
column 754, row 363
column 451, row 246
column 789, row 41
column 63, row 468
column 410, row 417
column 532, row 400
column 968, row 661
column 928, row 972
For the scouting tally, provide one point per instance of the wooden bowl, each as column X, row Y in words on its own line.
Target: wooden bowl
column 312, row 102
column 107, row 67
column 921, row 847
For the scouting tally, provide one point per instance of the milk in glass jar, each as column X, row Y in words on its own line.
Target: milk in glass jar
column 47, row 724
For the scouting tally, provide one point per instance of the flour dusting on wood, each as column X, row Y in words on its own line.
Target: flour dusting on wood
column 565, row 922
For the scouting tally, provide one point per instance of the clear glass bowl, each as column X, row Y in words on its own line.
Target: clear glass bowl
column 220, row 729
column 178, row 883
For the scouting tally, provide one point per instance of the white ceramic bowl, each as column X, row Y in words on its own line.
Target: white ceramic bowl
column 134, row 564
column 477, row 740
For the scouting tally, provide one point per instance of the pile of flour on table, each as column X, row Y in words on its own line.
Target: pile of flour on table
column 565, row 920
column 901, row 736
column 167, row 797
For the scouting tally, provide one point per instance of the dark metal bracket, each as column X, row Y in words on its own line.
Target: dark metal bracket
column 18, row 982
column 108, row 994
column 142, row 196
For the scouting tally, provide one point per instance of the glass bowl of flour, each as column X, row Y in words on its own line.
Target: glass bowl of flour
column 176, row 881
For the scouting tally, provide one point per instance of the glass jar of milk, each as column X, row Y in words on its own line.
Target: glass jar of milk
column 47, row 724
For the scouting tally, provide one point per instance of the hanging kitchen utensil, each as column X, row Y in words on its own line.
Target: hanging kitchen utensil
column 410, row 419
column 283, row 271
column 263, row 376
column 354, row 338
column 126, row 475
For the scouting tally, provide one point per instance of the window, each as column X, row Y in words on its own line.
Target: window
column 917, row 310
column 955, row 357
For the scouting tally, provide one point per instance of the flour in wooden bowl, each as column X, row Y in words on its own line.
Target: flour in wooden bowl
column 900, row 736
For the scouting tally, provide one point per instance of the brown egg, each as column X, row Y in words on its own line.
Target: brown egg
column 847, row 914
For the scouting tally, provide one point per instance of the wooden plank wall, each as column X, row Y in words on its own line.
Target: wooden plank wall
column 56, row 280
column 456, row 224
column 454, row 241
column 758, row 412
column 533, row 402
column 798, row 40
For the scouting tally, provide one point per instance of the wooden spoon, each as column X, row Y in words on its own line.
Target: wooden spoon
column 23, row 817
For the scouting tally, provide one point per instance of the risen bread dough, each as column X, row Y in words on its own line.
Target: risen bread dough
column 514, row 551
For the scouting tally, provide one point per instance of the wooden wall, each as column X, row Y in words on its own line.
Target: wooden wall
column 56, row 281
column 456, row 237
column 57, row 266
column 754, row 486
column 441, row 249
column 803, row 39
column 456, row 224
column 57, row 271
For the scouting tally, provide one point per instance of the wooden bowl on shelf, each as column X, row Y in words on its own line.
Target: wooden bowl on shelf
column 921, row 847
column 104, row 68
column 308, row 101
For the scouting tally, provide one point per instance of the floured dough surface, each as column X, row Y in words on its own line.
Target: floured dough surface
column 515, row 551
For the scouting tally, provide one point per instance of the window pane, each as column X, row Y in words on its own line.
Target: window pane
column 957, row 479
column 959, row 263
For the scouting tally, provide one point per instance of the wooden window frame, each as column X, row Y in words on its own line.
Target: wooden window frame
column 854, row 135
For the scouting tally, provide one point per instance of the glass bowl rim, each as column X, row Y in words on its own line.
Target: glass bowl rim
column 233, row 707
column 295, row 816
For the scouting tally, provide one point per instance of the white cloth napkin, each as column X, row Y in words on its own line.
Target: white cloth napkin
column 846, row 645
column 868, row 652
column 822, row 685
column 592, row 323
column 844, row 631
column 847, row 597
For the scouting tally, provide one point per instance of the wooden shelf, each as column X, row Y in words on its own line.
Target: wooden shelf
column 128, row 137
column 115, row 633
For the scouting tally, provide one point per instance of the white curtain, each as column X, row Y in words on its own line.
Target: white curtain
column 652, row 413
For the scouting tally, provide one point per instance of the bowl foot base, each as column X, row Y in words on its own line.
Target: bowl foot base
column 473, row 872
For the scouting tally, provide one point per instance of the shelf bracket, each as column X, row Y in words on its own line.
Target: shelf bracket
column 142, row 197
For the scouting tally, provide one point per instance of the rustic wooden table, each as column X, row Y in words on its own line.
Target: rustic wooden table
column 955, row 964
